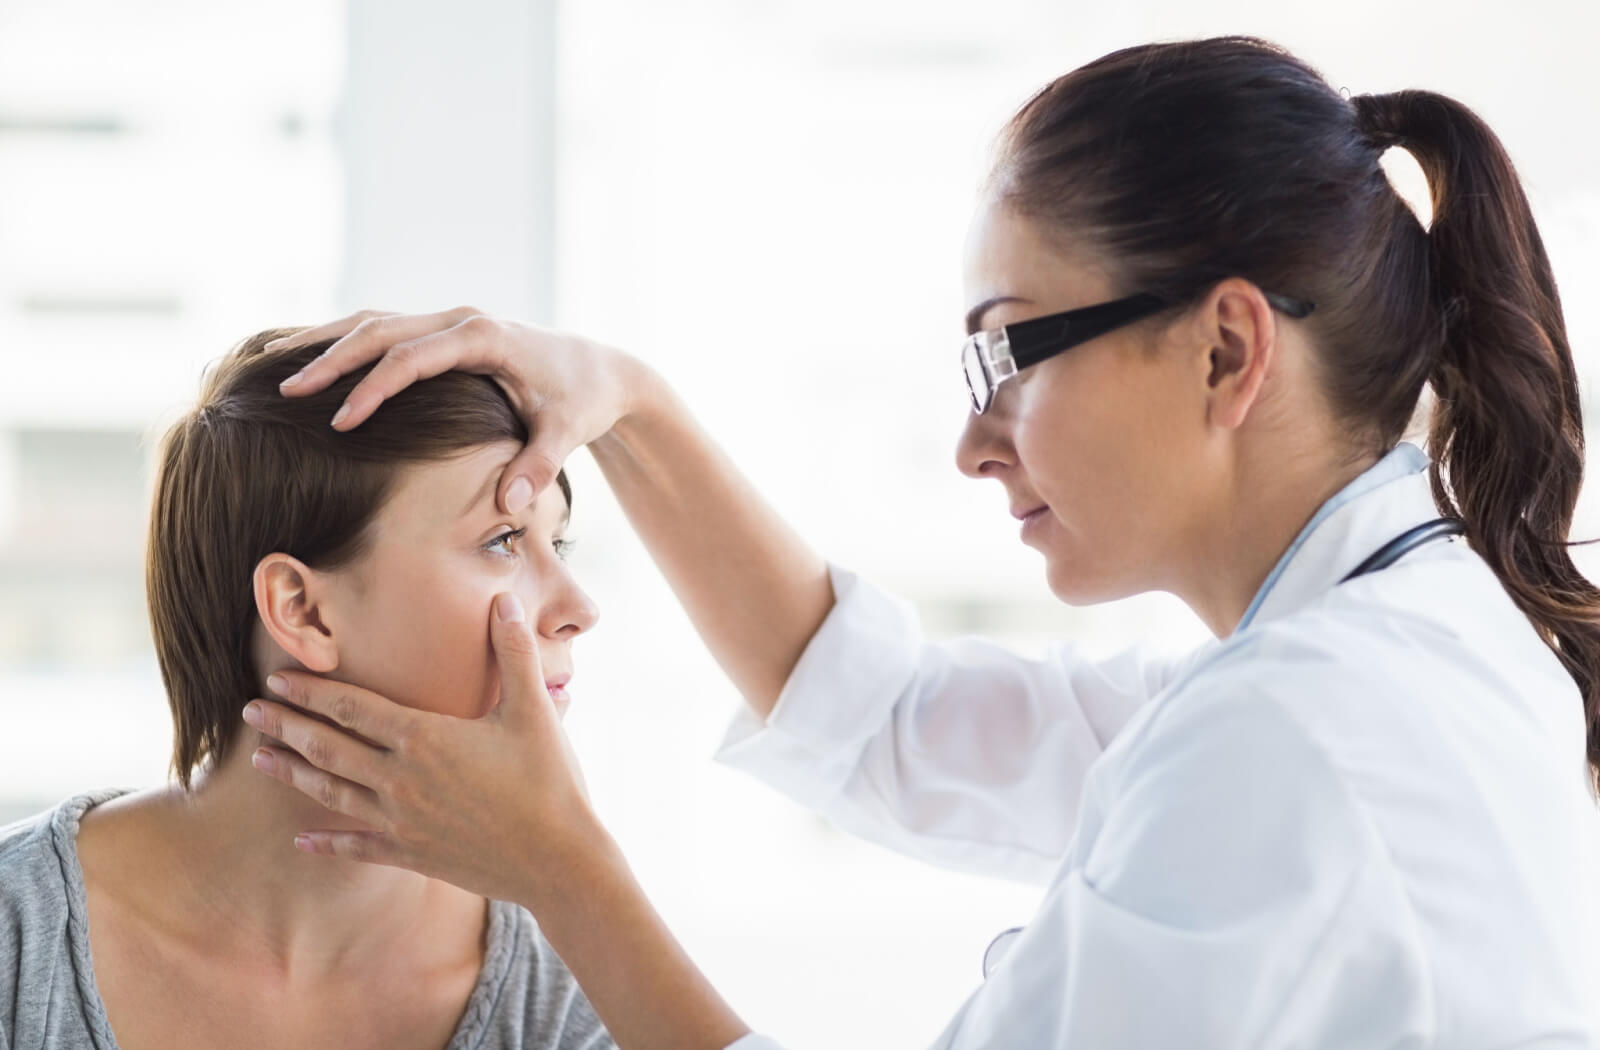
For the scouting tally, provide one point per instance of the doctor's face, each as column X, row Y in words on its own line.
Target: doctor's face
column 1096, row 447
column 410, row 616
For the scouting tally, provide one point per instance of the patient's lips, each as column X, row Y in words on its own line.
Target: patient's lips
column 556, row 686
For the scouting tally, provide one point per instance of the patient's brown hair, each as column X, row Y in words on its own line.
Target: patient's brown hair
column 249, row 473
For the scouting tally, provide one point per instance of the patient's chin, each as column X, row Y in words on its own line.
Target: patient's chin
column 443, row 700
column 493, row 701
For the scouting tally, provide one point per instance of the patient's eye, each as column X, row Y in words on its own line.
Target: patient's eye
column 500, row 543
column 504, row 544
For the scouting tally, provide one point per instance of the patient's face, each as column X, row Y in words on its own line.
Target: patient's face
column 411, row 615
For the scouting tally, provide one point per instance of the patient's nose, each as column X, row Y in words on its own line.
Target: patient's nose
column 567, row 611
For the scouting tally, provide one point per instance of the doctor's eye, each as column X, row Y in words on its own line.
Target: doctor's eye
column 563, row 547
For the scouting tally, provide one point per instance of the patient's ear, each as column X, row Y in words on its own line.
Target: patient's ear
column 293, row 602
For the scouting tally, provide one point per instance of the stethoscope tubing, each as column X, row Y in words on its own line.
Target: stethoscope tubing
column 1407, row 542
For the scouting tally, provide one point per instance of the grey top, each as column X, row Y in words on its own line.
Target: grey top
column 525, row 997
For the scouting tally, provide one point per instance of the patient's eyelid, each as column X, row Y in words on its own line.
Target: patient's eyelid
column 500, row 544
column 509, row 536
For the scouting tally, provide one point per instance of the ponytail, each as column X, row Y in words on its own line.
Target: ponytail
column 1507, row 429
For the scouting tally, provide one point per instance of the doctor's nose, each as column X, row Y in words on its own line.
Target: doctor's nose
column 984, row 448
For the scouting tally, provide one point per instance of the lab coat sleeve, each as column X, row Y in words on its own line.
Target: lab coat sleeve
column 754, row 1042
column 960, row 753
column 1231, row 892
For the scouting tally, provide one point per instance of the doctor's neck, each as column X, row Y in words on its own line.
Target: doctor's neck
column 1277, row 485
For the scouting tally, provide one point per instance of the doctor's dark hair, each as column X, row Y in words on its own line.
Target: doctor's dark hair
column 249, row 473
column 1186, row 163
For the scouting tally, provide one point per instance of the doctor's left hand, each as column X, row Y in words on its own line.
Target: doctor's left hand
column 495, row 805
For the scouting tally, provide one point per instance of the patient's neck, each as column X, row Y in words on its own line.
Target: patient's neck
column 310, row 914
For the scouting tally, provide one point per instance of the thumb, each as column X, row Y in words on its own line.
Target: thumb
column 533, row 470
column 516, row 655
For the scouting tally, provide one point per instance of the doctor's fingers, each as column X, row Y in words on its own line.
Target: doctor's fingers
column 365, row 715
column 359, row 339
column 475, row 344
column 326, row 747
column 331, row 330
column 333, row 793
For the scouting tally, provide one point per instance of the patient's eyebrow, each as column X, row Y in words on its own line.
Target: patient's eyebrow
column 484, row 491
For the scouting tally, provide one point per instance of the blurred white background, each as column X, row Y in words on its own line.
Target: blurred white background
column 765, row 199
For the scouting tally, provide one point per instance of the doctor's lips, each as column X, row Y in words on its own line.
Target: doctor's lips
column 1031, row 517
column 556, row 686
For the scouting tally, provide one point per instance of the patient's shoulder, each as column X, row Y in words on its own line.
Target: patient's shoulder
column 20, row 840
column 39, row 868
column 30, row 862
column 30, row 879
column 43, row 940
column 540, row 1004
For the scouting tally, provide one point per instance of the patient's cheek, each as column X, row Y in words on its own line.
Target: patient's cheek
column 452, row 680
column 420, row 630
column 440, row 667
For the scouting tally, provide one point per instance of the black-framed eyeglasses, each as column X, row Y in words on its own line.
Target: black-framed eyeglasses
column 991, row 357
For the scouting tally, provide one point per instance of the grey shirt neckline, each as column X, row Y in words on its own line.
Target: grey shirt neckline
column 64, row 823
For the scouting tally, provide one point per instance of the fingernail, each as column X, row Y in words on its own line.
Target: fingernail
column 278, row 684
column 518, row 495
column 252, row 714
column 304, row 842
column 509, row 609
column 273, row 344
column 264, row 761
column 292, row 380
column 339, row 416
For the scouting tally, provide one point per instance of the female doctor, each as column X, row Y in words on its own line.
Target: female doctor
column 1200, row 321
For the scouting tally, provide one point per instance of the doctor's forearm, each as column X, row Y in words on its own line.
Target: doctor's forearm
column 638, row 978
column 754, row 589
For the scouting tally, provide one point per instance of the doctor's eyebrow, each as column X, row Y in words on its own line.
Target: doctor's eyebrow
column 975, row 315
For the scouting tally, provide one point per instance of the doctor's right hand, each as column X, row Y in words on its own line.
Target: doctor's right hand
column 567, row 389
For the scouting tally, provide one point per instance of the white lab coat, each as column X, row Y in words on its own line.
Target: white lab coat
column 1363, row 820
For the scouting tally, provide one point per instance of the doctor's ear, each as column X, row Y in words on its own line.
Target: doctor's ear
column 292, row 600
column 1239, row 333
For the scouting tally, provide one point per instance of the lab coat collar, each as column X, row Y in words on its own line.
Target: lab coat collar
column 1388, row 498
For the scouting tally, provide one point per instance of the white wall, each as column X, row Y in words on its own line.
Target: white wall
column 446, row 132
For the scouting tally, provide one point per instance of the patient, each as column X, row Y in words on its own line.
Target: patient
column 183, row 916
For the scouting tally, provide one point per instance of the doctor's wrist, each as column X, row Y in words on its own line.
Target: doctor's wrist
column 568, row 866
column 644, row 400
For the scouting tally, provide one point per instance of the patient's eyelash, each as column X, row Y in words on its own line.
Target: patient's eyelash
column 509, row 535
column 563, row 547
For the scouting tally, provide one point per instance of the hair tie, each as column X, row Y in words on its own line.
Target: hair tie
column 1369, row 111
